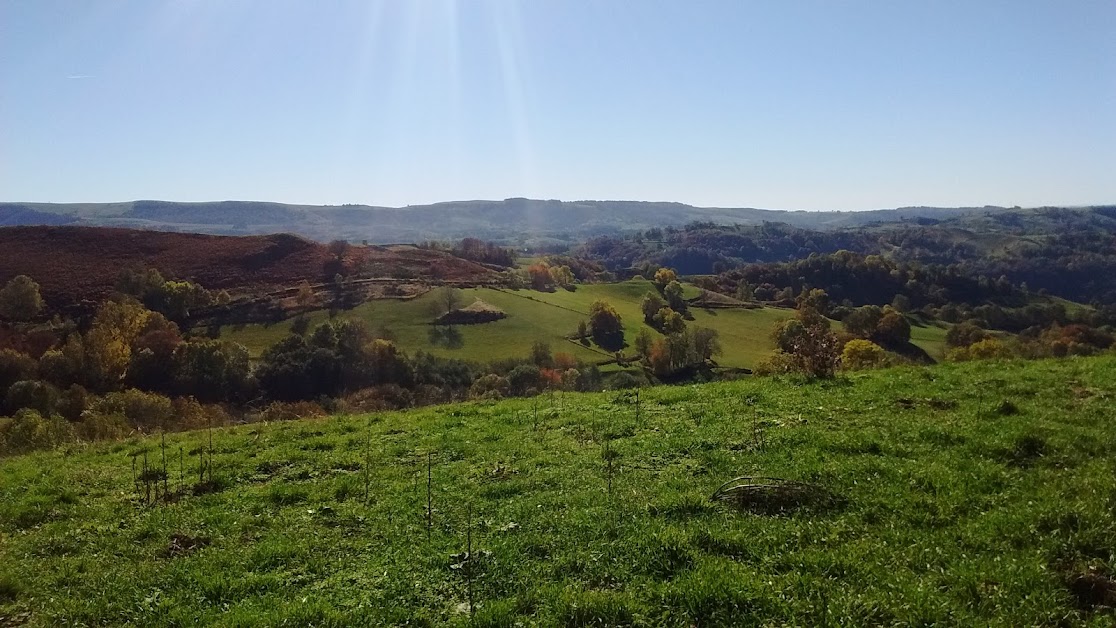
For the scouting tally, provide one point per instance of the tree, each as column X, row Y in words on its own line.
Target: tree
column 808, row 342
column 707, row 342
column 540, row 355
column 643, row 343
column 14, row 366
column 964, row 334
column 650, row 306
column 564, row 361
column 179, row 298
column 987, row 349
column 664, row 276
column 294, row 369
column 62, row 367
column 673, row 293
column 862, row 321
column 562, row 276
column 540, row 276
column 668, row 321
column 815, row 298
column 446, row 299
column 490, row 386
column 305, row 297
column 524, row 379
column 892, row 330
column 338, row 248
column 605, row 325
column 20, row 299
column 108, row 345
column 139, row 281
column 901, row 303
column 213, row 370
column 36, row 395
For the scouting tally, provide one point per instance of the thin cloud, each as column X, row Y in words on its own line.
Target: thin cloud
column 79, row 76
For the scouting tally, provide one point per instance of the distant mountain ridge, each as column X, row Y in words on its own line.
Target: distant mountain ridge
column 509, row 219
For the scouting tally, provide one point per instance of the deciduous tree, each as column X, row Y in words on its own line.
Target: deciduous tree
column 20, row 299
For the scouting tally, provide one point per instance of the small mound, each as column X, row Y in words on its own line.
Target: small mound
column 771, row 496
column 476, row 313
column 709, row 300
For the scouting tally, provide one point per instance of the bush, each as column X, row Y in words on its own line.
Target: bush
column 805, row 345
column 280, row 411
column 189, row 414
column 778, row 363
column 862, row 354
column 490, row 386
column 98, row 426
column 988, row 349
column 30, row 431
column 14, row 367
column 964, row 335
column 625, row 379
column 378, row 399
column 143, row 411
column 31, row 394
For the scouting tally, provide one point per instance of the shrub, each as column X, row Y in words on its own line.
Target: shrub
column 964, row 334
column 626, row 379
column 144, row 411
column 189, row 414
column 30, row 431
column 812, row 348
column 98, row 426
column 988, row 349
column 31, row 394
column 14, row 366
column 490, row 386
column 377, row 399
column 281, row 411
column 778, row 363
column 862, row 354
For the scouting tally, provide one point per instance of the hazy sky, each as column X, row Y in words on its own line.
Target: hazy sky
column 777, row 104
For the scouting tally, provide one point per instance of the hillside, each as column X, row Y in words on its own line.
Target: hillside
column 72, row 264
column 961, row 494
column 549, row 317
column 1067, row 252
column 535, row 317
column 511, row 219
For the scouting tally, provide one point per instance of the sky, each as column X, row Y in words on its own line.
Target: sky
column 793, row 104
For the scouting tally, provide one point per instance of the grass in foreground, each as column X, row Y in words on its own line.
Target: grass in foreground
column 966, row 494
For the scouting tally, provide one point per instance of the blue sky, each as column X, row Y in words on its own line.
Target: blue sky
column 789, row 105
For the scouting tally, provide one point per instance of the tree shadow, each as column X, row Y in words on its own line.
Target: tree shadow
column 610, row 342
column 448, row 336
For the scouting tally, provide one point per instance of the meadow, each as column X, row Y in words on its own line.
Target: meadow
column 959, row 494
column 550, row 317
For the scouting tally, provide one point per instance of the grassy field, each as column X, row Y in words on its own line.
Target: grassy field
column 533, row 316
column 930, row 338
column 975, row 494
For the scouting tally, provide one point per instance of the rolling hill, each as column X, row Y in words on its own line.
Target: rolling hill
column 509, row 219
column 74, row 264
column 549, row 317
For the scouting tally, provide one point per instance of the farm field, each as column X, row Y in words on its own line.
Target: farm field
column 532, row 316
column 958, row 494
column 930, row 338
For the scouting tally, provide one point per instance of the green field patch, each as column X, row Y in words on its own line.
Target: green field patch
column 533, row 316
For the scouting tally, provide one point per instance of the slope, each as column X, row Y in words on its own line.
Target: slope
column 532, row 317
column 941, row 511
